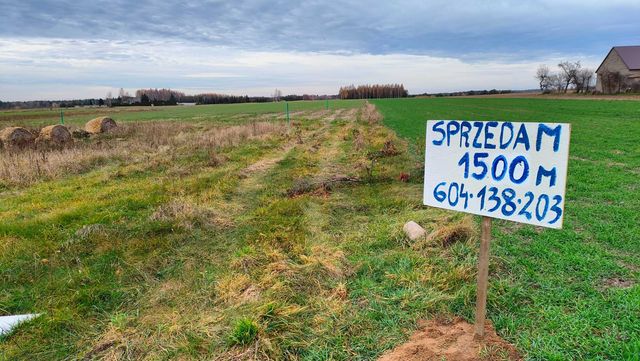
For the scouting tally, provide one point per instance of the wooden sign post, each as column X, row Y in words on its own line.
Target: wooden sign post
column 483, row 275
column 507, row 170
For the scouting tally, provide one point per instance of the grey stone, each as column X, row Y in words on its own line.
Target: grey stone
column 414, row 231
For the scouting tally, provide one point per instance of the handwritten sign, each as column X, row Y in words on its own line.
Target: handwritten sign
column 508, row 170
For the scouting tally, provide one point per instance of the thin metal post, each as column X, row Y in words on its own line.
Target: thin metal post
column 326, row 104
column 61, row 117
column 286, row 106
column 483, row 276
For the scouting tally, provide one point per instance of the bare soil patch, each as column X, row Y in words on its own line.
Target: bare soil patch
column 452, row 341
column 617, row 282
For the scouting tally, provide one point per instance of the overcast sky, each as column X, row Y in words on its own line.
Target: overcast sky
column 80, row 49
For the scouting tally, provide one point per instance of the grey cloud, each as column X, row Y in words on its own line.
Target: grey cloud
column 252, row 46
column 441, row 27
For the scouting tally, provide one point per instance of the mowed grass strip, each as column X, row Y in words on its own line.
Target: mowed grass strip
column 572, row 293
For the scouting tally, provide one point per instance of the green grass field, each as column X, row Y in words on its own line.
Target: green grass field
column 551, row 291
column 215, row 232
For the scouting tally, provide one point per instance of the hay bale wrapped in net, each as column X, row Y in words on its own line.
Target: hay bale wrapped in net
column 56, row 135
column 100, row 125
column 16, row 137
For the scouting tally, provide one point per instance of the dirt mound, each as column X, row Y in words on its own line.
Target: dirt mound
column 100, row 125
column 16, row 137
column 57, row 135
column 452, row 341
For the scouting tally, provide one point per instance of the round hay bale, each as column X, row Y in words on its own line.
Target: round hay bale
column 100, row 125
column 16, row 137
column 57, row 135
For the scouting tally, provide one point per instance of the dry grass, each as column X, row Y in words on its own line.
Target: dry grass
column 187, row 215
column 230, row 287
column 131, row 143
column 319, row 187
column 358, row 140
column 370, row 114
column 448, row 234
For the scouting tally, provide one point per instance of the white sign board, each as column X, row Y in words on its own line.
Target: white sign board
column 508, row 170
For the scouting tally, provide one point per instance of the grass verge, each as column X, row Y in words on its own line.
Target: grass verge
column 572, row 293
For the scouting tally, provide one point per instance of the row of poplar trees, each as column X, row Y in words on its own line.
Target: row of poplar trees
column 373, row 91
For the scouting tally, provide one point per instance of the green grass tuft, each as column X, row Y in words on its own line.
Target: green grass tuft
column 244, row 332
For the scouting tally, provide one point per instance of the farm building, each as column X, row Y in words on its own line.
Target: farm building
column 620, row 70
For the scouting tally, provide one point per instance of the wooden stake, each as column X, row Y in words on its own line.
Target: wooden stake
column 483, row 276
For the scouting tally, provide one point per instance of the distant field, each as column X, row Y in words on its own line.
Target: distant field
column 573, row 293
column 570, row 95
column 217, row 112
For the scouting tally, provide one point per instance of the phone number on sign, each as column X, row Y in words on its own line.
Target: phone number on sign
column 502, row 200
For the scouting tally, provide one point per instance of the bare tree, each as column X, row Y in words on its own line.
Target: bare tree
column 583, row 79
column 556, row 82
column 107, row 101
column 542, row 74
column 568, row 71
column 277, row 94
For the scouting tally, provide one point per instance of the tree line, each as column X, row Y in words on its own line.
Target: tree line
column 147, row 97
column 373, row 91
column 172, row 97
column 568, row 74
column 465, row 93
column 32, row 104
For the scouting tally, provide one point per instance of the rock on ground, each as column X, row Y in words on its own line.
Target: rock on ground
column 414, row 231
